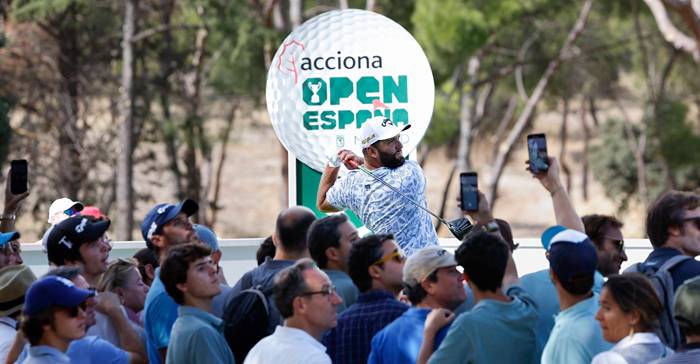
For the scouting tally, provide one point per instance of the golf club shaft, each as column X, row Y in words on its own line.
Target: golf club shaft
column 368, row 172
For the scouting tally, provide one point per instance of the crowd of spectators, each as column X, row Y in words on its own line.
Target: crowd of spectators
column 330, row 295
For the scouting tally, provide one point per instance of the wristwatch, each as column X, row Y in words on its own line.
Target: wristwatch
column 8, row 217
column 335, row 161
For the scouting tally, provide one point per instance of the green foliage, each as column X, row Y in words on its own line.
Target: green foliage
column 444, row 126
column 42, row 9
column 613, row 162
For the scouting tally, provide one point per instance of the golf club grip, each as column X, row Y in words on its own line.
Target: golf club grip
column 368, row 172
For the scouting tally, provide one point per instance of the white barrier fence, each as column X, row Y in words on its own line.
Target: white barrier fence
column 238, row 255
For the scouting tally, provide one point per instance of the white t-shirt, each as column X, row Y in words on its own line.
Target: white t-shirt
column 384, row 211
column 290, row 346
column 7, row 336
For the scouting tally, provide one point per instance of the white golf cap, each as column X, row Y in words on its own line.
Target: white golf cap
column 60, row 206
column 379, row 128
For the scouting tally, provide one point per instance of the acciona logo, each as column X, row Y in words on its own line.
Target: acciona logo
column 340, row 62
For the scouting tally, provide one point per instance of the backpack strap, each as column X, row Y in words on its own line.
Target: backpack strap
column 671, row 263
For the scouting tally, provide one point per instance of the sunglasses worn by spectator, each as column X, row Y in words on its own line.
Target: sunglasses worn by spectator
column 695, row 220
column 619, row 244
column 73, row 311
column 328, row 291
column 396, row 256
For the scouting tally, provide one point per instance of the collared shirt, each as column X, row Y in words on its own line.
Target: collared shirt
column 383, row 210
column 104, row 328
column 576, row 337
column 540, row 287
column 686, row 354
column 681, row 272
column 7, row 336
column 344, row 287
column 197, row 337
column 400, row 341
column 88, row 350
column 639, row 348
column 159, row 317
column 42, row 354
column 349, row 342
column 288, row 345
column 492, row 332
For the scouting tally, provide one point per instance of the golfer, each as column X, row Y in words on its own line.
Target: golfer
column 380, row 209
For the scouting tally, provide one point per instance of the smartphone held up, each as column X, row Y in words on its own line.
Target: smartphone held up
column 18, row 176
column 469, row 191
column 537, row 153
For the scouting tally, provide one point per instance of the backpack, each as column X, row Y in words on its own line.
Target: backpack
column 661, row 280
column 249, row 317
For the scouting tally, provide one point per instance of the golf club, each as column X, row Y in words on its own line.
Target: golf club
column 458, row 227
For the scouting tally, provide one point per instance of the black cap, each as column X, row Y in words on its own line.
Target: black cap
column 69, row 234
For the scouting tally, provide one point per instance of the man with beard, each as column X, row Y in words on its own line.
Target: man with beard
column 382, row 210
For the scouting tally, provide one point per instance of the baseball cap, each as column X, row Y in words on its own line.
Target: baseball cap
column 8, row 237
column 14, row 283
column 72, row 232
column 53, row 291
column 570, row 253
column 379, row 128
column 207, row 236
column 424, row 262
column 61, row 205
column 686, row 306
column 160, row 215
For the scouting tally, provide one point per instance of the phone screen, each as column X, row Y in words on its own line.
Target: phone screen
column 537, row 151
column 18, row 174
column 469, row 194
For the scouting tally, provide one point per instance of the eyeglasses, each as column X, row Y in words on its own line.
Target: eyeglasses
column 619, row 243
column 328, row 291
column 73, row 311
column 396, row 256
column 695, row 220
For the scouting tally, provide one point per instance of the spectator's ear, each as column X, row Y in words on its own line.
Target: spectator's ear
column 150, row 271
column 428, row 286
column 374, row 272
column 332, row 254
column 675, row 231
column 553, row 276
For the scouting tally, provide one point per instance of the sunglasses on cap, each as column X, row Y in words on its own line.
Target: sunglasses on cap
column 396, row 256
column 70, row 211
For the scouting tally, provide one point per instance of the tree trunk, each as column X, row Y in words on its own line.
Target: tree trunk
column 125, row 199
column 563, row 139
column 586, row 144
column 214, row 202
column 638, row 148
column 525, row 117
column 445, row 194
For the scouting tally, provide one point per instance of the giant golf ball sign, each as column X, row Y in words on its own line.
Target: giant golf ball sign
column 336, row 71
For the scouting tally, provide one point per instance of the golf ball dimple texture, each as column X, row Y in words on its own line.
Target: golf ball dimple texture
column 354, row 33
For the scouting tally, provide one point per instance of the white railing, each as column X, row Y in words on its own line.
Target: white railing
column 238, row 255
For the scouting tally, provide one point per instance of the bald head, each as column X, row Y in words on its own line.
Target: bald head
column 291, row 227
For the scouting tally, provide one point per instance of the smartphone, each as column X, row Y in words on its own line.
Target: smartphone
column 469, row 191
column 18, row 175
column 537, row 152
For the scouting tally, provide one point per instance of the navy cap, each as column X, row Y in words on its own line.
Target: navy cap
column 570, row 253
column 72, row 232
column 161, row 214
column 8, row 237
column 53, row 291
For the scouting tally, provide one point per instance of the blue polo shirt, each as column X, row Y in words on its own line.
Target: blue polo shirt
column 400, row 341
column 492, row 332
column 42, row 354
column 540, row 287
column 197, row 337
column 160, row 314
column 576, row 337
column 349, row 341
column 86, row 350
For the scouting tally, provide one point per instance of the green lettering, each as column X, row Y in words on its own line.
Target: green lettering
column 311, row 120
column 400, row 116
column 345, row 117
column 314, row 91
column 399, row 91
column 328, row 120
column 365, row 85
column 341, row 87
column 362, row 116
